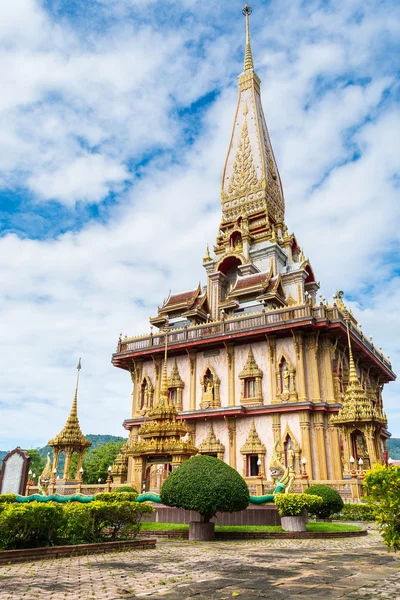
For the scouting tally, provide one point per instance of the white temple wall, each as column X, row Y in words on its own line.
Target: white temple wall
column 184, row 372
column 291, row 420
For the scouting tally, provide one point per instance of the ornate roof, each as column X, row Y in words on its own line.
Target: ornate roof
column 253, row 443
column 357, row 406
column 71, row 434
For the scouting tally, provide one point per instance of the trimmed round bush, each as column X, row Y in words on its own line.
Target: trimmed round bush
column 207, row 485
column 332, row 501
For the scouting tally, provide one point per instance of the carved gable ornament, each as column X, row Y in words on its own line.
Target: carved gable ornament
column 212, row 445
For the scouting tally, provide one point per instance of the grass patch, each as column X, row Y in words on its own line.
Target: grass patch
column 312, row 527
column 329, row 527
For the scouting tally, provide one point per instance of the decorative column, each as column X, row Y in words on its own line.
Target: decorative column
column 193, row 369
column 327, row 371
column 68, row 454
column 369, row 432
column 335, row 455
column 305, row 426
column 231, row 426
column 271, row 341
column 276, row 427
column 298, row 340
column 218, row 285
column 230, row 354
column 320, row 446
column 312, row 356
column 136, row 379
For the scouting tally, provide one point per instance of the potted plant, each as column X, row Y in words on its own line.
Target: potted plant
column 293, row 508
column 207, row 485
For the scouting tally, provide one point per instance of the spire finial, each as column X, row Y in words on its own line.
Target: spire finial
column 74, row 409
column 352, row 368
column 248, row 57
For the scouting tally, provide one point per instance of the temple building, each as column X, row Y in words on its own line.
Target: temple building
column 259, row 368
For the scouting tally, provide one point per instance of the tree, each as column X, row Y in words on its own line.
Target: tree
column 97, row 461
column 383, row 486
column 38, row 463
column 207, row 485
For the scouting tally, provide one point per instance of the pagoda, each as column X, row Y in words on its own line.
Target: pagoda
column 261, row 361
column 159, row 447
column 70, row 440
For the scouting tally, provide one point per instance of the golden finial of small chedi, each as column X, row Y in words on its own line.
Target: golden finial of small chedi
column 207, row 257
column 248, row 57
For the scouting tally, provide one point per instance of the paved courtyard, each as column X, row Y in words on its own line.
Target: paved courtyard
column 359, row 568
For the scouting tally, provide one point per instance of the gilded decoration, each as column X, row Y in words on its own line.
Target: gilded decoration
column 70, row 439
column 285, row 380
column 210, row 385
column 254, row 446
column 251, row 382
column 211, row 445
column 146, row 393
column 175, row 387
column 161, row 438
column 244, row 179
column 119, row 470
column 360, row 420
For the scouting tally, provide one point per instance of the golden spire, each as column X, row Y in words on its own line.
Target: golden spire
column 352, row 368
column 248, row 57
column 74, row 410
column 71, row 434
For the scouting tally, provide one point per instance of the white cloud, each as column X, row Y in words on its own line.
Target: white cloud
column 73, row 114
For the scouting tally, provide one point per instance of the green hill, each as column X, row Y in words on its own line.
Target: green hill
column 394, row 448
column 96, row 439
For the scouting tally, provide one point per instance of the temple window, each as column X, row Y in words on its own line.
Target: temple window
column 252, row 465
column 284, row 375
column 251, row 382
column 289, row 453
column 250, row 388
column 175, row 387
column 173, row 395
column 143, row 394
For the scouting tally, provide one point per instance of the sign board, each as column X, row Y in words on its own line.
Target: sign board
column 14, row 472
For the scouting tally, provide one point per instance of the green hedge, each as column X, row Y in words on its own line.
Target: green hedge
column 117, row 496
column 332, row 501
column 7, row 498
column 358, row 512
column 292, row 505
column 39, row 524
column 126, row 488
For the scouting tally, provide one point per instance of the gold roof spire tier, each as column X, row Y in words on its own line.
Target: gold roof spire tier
column 356, row 407
column 71, row 434
column 248, row 58
column 251, row 186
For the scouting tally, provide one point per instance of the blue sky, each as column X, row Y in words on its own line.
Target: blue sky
column 115, row 118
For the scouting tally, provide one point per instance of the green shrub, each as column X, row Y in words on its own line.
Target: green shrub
column 125, row 488
column 42, row 524
column 7, row 498
column 30, row 525
column 358, row 512
column 206, row 485
column 117, row 496
column 292, row 505
column 332, row 501
column 383, row 487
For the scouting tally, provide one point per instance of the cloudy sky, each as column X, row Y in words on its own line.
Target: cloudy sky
column 115, row 117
